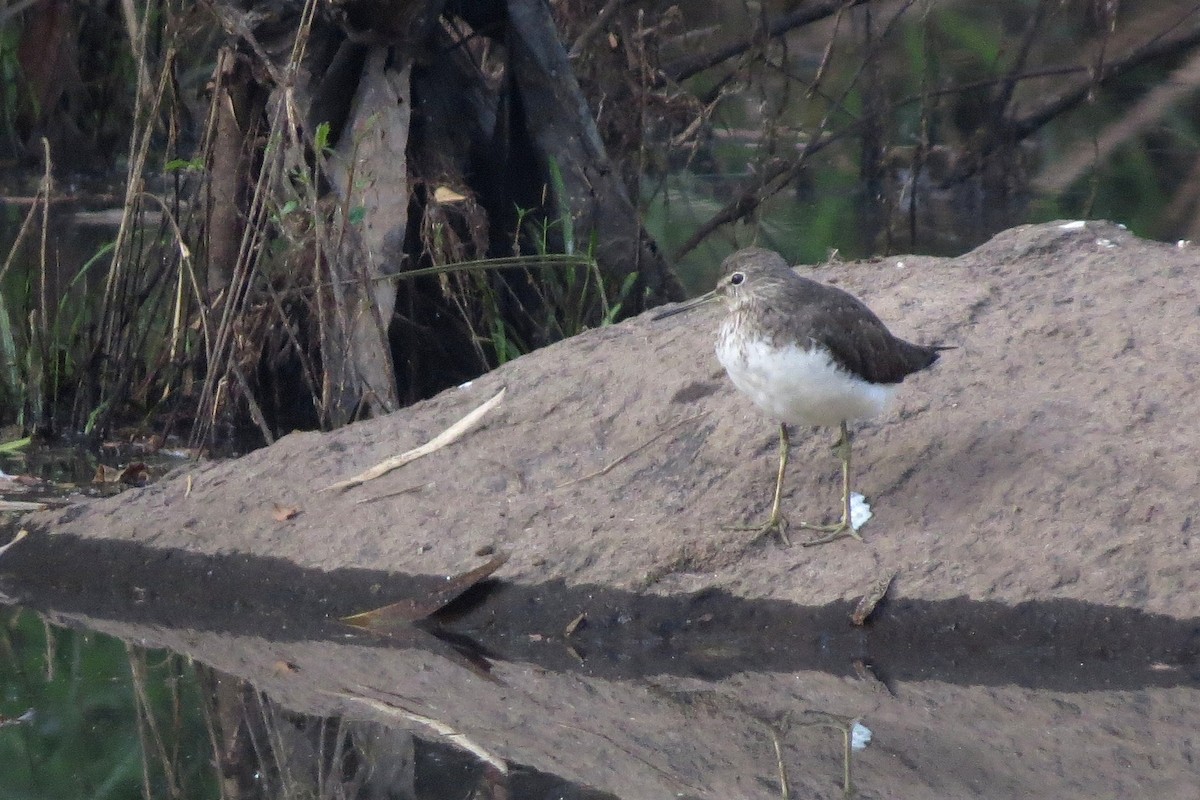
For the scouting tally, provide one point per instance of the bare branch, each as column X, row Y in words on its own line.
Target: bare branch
column 591, row 31
column 1148, row 110
column 1013, row 76
column 687, row 67
column 1157, row 47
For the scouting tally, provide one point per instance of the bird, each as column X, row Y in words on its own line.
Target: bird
column 806, row 353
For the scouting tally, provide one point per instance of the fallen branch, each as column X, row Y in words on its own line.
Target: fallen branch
column 446, row 437
column 612, row 464
column 21, row 505
column 21, row 534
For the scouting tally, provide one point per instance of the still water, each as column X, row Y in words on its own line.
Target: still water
column 132, row 672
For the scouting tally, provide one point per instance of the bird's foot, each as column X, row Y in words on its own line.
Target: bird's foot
column 776, row 524
column 838, row 530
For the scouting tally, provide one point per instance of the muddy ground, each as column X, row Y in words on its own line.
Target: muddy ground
column 1052, row 455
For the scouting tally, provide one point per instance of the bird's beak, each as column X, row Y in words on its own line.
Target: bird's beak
column 688, row 306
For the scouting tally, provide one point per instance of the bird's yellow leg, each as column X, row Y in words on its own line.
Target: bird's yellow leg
column 841, row 529
column 776, row 521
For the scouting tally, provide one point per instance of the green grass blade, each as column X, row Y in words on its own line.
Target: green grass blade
column 564, row 208
column 11, row 385
column 14, row 445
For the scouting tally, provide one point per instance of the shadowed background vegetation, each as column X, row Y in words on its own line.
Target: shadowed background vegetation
column 226, row 220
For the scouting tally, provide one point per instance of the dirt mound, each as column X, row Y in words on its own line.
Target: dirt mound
column 1052, row 455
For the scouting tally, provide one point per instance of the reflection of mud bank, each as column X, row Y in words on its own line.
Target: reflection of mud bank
column 658, row 695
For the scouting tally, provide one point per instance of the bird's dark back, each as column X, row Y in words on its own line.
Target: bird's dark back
column 806, row 312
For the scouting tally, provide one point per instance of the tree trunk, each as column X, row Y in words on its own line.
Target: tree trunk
column 564, row 134
column 369, row 174
column 498, row 119
column 236, row 115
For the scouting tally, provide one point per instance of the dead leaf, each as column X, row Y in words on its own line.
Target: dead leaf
column 874, row 594
column 135, row 474
column 106, row 474
column 283, row 513
column 7, row 721
column 444, row 194
column 400, row 615
column 574, row 624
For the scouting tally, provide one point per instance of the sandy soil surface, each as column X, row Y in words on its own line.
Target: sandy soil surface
column 1052, row 455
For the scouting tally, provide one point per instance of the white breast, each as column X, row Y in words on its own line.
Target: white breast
column 797, row 385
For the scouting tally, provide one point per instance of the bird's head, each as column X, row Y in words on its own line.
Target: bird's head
column 748, row 271
column 743, row 273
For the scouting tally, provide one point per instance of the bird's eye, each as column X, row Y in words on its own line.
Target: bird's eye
column 737, row 278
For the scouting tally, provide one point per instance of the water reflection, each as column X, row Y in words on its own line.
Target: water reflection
column 700, row 696
column 198, row 732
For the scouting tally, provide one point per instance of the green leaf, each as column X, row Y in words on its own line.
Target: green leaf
column 177, row 164
column 94, row 417
column 622, row 296
column 321, row 137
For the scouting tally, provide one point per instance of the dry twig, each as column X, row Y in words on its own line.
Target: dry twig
column 446, row 437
